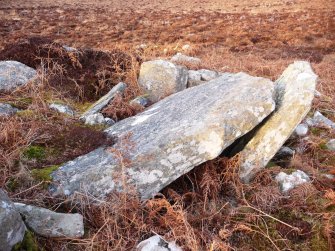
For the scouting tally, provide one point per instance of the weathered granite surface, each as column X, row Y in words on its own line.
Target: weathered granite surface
column 171, row 137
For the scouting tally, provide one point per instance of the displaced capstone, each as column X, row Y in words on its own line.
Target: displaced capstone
column 62, row 109
column 14, row 74
column 331, row 145
column 157, row 243
column 47, row 223
column 290, row 181
column 170, row 138
column 160, row 78
column 12, row 228
column 7, row 110
column 104, row 101
column 181, row 58
column 301, row 130
column 294, row 94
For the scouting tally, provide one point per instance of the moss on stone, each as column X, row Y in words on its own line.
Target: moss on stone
column 35, row 152
column 44, row 173
column 28, row 243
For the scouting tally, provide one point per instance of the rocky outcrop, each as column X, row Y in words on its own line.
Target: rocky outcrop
column 161, row 78
column 290, row 181
column 12, row 228
column 14, row 74
column 51, row 224
column 294, row 94
column 167, row 140
column 7, row 110
column 157, row 243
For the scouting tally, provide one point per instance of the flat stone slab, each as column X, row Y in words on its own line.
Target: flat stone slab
column 294, row 94
column 14, row 74
column 169, row 139
column 47, row 223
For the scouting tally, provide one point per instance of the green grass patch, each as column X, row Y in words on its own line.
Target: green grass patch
column 35, row 152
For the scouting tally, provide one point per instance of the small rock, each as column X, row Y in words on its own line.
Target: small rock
column 69, row 49
column 109, row 121
column 331, row 145
column 289, row 181
column 207, row 75
column 328, row 176
column 301, row 130
column 62, row 109
column 11, row 224
column 181, row 58
column 14, row 74
column 194, row 78
column 47, row 223
column 317, row 94
column 142, row 101
column 160, row 78
column 7, row 110
column 319, row 120
column 96, row 119
column 156, row 243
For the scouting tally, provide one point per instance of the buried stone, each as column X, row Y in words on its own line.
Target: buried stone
column 169, row 139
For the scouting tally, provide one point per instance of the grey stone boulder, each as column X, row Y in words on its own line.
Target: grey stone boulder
column 47, row 223
column 181, row 58
column 104, row 101
column 290, row 181
column 65, row 109
column 331, row 145
column 12, row 227
column 320, row 120
column 157, row 243
column 14, row 74
column 7, row 110
column 160, row 78
column 171, row 137
column 294, row 94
